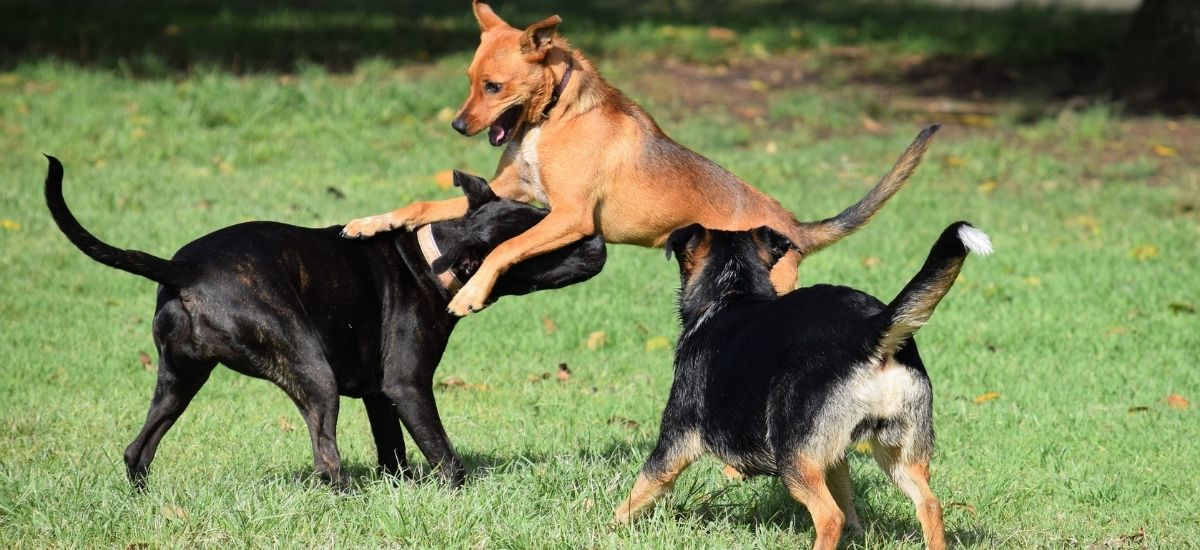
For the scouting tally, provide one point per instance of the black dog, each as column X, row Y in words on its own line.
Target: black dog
column 782, row 385
column 322, row 316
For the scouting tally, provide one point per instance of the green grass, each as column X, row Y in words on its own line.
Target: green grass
column 1081, row 329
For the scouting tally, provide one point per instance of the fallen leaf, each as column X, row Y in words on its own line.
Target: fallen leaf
column 286, row 425
column 445, row 114
column 863, row 447
column 444, row 179
column 753, row 112
column 732, row 473
column 548, row 325
column 657, row 343
column 771, row 148
column 976, row 120
column 1032, row 281
column 1144, row 252
column 10, row 225
column 1138, row 409
column 1116, row 330
column 721, row 33
column 538, row 377
column 1085, row 222
column 871, row 125
column 1163, row 150
column 564, row 372
column 137, row 546
column 138, row 133
column 985, row 397
column 1176, row 401
column 965, row 506
column 144, row 359
column 623, row 422
column 988, row 186
column 481, row 387
column 953, row 161
column 1181, row 307
column 871, row 261
column 758, row 85
column 173, row 511
column 204, row 204
column 596, row 340
column 452, row 382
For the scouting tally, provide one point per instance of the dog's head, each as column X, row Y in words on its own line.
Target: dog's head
column 489, row 222
column 716, row 264
column 510, row 80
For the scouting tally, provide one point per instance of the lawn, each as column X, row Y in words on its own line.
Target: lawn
column 1063, row 365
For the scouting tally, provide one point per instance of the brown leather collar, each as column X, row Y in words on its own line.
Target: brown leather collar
column 429, row 249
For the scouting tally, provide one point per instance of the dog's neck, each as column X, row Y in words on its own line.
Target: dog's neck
column 719, row 286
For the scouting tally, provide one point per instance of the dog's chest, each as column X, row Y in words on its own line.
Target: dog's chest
column 529, row 169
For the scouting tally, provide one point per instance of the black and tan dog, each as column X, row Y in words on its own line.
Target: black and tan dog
column 782, row 385
column 321, row 316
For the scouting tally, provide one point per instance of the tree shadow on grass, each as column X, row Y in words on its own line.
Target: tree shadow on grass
column 963, row 52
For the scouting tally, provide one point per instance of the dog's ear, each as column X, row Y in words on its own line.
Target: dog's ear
column 684, row 239
column 538, row 38
column 486, row 17
column 466, row 259
column 475, row 188
column 774, row 244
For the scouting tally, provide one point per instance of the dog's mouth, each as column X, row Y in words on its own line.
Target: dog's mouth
column 505, row 125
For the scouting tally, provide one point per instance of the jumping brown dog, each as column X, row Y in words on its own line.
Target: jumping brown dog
column 578, row 145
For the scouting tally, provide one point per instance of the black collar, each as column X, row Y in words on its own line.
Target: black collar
column 558, row 90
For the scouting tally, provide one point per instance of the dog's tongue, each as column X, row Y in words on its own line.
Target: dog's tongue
column 496, row 133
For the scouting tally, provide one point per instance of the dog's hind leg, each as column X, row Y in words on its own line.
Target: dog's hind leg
column 838, row 479
column 670, row 457
column 805, row 480
column 178, row 381
column 911, row 476
column 389, row 439
column 314, row 390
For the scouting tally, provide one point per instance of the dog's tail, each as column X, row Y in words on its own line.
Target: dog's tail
column 914, row 305
column 811, row 237
column 164, row 272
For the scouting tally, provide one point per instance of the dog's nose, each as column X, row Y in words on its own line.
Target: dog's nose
column 460, row 124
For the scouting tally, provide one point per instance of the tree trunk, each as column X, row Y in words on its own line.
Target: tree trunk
column 1159, row 57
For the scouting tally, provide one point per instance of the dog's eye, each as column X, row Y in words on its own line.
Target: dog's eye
column 491, row 87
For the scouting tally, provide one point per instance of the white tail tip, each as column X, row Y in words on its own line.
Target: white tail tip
column 975, row 240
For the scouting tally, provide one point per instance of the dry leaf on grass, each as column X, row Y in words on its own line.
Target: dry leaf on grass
column 1181, row 307
column 988, row 186
column 548, row 325
column 985, row 397
column 1138, row 409
column 863, row 447
column 10, row 225
column 173, row 511
column 452, row 382
column 871, row 125
column 144, row 359
column 286, row 425
column 445, row 114
column 623, row 422
column 952, row 161
column 657, row 343
column 1144, row 252
column 871, row 261
column 596, row 340
column 1176, row 401
column 721, row 33
column 564, row 372
column 965, row 506
column 444, row 179
column 1163, row 150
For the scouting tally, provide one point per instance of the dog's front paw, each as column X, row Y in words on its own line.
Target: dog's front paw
column 622, row 516
column 470, row 299
column 369, row 226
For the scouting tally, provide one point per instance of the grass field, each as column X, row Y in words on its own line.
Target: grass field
column 1083, row 323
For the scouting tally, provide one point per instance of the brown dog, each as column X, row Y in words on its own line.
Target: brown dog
column 602, row 165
